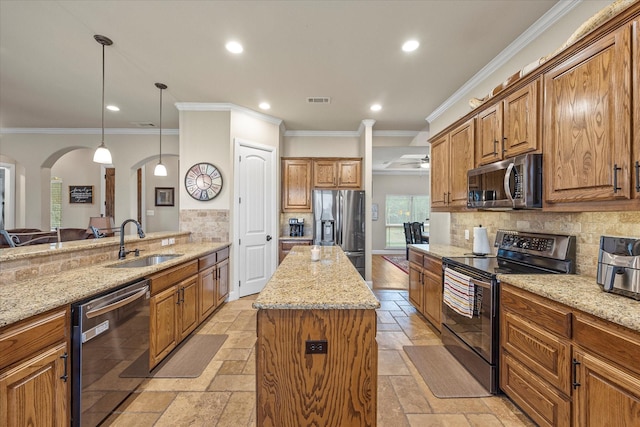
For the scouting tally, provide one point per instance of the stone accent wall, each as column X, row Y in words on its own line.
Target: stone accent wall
column 206, row 225
column 586, row 226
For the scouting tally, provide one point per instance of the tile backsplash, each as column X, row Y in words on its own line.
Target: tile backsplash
column 586, row 226
column 308, row 223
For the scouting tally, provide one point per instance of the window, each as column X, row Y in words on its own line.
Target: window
column 401, row 209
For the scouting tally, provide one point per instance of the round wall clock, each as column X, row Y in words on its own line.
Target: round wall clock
column 203, row 181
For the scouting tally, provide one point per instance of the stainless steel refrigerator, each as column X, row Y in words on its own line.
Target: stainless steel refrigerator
column 339, row 219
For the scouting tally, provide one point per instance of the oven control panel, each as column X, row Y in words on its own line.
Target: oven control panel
column 538, row 244
column 554, row 246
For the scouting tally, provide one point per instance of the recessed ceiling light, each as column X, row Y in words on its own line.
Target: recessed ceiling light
column 410, row 45
column 376, row 107
column 264, row 105
column 234, row 47
column 112, row 108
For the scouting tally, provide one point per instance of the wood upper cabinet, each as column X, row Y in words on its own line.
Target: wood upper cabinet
column 587, row 123
column 509, row 127
column 296, row 185
column 337, row 173
column 35, row 368
column 452, row 155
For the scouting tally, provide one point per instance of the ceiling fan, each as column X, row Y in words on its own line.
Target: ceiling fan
column 420, row 162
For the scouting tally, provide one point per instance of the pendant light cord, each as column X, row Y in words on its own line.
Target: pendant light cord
column 160, row 125
column 102, row 94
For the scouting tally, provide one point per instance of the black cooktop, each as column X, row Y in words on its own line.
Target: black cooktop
column 494, row 265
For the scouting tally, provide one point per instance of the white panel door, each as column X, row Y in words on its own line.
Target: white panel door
column 256, row 207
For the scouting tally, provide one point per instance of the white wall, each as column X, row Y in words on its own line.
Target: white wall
column 36, row 153
column 322, row 146
column 546, row 43
column 161, row 218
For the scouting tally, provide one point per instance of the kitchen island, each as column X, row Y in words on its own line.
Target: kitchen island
column 316, row 352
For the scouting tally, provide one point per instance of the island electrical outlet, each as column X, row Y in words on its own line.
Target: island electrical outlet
column 316, row 347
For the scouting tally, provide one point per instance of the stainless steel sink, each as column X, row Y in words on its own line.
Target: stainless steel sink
column 145, row 261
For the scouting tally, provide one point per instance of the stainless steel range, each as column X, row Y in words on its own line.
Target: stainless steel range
column 471, row 298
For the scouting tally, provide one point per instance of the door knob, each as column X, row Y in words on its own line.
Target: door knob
column 268, row 238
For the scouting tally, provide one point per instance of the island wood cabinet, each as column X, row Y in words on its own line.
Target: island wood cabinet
column 334, row 388
column 296, row 185
column 34, row 371
column 213, row 282
column 587, row 123
column 285, row 246
column 337, row 174
column 509, row 127
column 452, row 155
column 425, row 286
column 173, row 309
column 564, row 367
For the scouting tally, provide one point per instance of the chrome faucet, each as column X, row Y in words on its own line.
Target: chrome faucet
column 122, row 254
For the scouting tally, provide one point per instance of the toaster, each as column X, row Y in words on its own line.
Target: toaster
column 619, row 266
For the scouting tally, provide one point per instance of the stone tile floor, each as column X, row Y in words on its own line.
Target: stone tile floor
column 224, row 395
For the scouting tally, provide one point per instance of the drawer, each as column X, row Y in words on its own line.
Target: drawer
column 542, row 312
column 545, row 405
column 25, row 338
column 416, row 257
column 286, row 245
column 207, row 261
column 222, row 254
column 432, row 264
column 171, row 276
column 544, row 353
column 609, row 340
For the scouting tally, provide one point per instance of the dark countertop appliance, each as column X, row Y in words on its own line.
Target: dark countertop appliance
column 619, row 266
column 472, row 337
column 296, row 227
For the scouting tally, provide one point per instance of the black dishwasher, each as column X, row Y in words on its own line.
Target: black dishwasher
column 110, row 351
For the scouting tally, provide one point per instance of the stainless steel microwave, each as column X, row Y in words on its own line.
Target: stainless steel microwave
column 514, row 183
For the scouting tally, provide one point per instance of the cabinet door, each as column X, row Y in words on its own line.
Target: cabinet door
column 416, row 289
column 587, row 123
column 33, row 393
column 324, row 173
column 433, row 299
column 520, row 121
column 635, row 84
column 208, row 298
column 606, row 394
column 489, row 139
column 440, row 172
column 349, row 174
column 296, row 185
column 461, row 155
column 163, row 335
column 188, row 307
column 223, row 281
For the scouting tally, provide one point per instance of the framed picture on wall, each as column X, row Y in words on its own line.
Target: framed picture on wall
column 165, row 196
column 81, row 194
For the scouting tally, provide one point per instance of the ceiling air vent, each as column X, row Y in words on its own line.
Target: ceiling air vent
column 143, row 124
column 318, row 100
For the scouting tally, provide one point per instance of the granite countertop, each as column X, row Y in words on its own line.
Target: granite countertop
column 296, row 237
column 26, row 298
column 581, row 293
column 440, row 251
column 330, row 283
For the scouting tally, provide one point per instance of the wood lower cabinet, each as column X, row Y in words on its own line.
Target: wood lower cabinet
column 213, row 282
column 564, row 367
column 337, row 388
column 425, row 286
column 163, row 333
column 296, row 185
column 34, row 372
column 187, row 306
column 587, row 123
column 329, row 173
column 222, row 281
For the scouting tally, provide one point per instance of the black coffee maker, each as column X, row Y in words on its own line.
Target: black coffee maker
column 296, row 227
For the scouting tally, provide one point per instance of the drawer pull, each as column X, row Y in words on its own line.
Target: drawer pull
column 65, row 375
column 575, row 382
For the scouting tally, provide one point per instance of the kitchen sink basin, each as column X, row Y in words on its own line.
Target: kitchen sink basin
column 145, row 261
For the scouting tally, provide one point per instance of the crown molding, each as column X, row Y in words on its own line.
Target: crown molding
column 88, row 131
column 351, row 134
column 559, row 10
column 226, row 106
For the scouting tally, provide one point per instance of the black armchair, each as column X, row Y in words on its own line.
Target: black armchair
column 408, row 236
column 417, row 229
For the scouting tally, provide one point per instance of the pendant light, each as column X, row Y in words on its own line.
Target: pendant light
column 160, row 169
column 102, row 154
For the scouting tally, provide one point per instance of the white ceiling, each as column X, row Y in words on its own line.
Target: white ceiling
column 50, row 65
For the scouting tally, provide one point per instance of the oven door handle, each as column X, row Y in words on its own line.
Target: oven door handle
column 116, row 305
column 486, row 285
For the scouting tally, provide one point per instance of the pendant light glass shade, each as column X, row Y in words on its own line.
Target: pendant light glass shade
column 160, row 169
column 102, row 154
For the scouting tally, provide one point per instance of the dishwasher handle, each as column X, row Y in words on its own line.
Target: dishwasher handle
column 116, row 305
